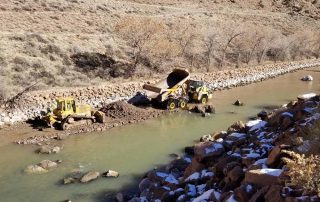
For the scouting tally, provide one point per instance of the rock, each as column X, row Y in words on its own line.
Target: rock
column 110, row 173
column 307, row 78
column 208, row 149
column 210, row 109
column 144, row 184
column 259, row 195
column 69, row 180
column 286, row 120
column 195, row 166
column 90, row 176
column 189, row 150
column 35, row 169
column 206, row 138
column 263, row 177
column 235, row 139
column 47, row 164
column 47, row 149
column 274, row 194
column 236, row 174
column 238, row 103
column 263, row 115
column 274, row 157
column 237, row 127
column 244, row 192
column 306, row 96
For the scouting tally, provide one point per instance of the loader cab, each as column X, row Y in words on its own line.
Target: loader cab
column 65, row 106
column 194, row 85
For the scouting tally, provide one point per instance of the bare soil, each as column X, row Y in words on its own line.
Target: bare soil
column 117, row 114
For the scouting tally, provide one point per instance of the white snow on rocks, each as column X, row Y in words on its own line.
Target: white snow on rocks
column 270, row 171
column 213, row 148
column 204, row 196
column 256, row 124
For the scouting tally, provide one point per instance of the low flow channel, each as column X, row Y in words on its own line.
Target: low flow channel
column 134, row 149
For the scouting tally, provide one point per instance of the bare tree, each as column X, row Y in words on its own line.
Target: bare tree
column 230, row 38
column 209, row 43
column 138, row 33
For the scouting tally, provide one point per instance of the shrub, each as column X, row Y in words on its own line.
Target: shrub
column 303, row 172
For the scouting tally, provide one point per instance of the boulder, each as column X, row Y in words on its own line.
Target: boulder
column 237, row 127
column 144, row 184
column 110, row 173
column 238, row 103
column 35, row 169
column 47, row 164
column 259, row 195
column 48, row 149
column 90, row 176
column 236, row 174
column 208, row 149
column 307, row 78
column 206, row 138
column 263, row 177
column 263, row 115
column 274, row 194
column 244, row 192
column 194, row 166
column 274, row 157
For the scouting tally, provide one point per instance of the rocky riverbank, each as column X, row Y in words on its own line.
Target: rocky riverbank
column 248, row 162
column 117, row 114
column 30, row 104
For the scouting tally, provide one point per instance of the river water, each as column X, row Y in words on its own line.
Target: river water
column 134, row 149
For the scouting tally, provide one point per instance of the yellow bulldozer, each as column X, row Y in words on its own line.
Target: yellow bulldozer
column 67, row 114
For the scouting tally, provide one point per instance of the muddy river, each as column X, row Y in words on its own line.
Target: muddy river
column 134, row 149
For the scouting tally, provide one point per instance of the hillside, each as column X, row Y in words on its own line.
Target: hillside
column 84, row 42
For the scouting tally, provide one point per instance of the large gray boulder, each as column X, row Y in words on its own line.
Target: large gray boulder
column 47, row 164
column 49, row 149
column 90, row 176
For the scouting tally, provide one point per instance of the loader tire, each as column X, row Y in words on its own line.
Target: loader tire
column 64, row 126
column 204, row 99
column 172, row 104
column 183, row 103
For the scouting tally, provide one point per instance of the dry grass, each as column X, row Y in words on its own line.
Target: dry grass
column 145, row 37
column 304, row 172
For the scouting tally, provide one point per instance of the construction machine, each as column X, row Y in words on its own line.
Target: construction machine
column 177, row 90
column 68, row 114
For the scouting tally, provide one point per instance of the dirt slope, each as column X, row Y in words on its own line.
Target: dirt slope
column 40, row 40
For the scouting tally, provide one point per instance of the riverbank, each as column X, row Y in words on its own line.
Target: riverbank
column 247, row 162
column 100, row 96
column 30, row 104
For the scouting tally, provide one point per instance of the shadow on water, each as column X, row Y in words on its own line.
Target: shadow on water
column 267, row 107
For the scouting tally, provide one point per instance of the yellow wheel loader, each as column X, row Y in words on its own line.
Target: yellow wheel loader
column 177, row 90
column 68, row 114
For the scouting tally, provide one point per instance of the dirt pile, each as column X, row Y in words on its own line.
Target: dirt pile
column 126, row 112
column 248, row 163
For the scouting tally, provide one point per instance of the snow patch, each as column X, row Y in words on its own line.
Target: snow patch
column 256, row 124
column 205, row 196
column 214, row 147
column 270, row 171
